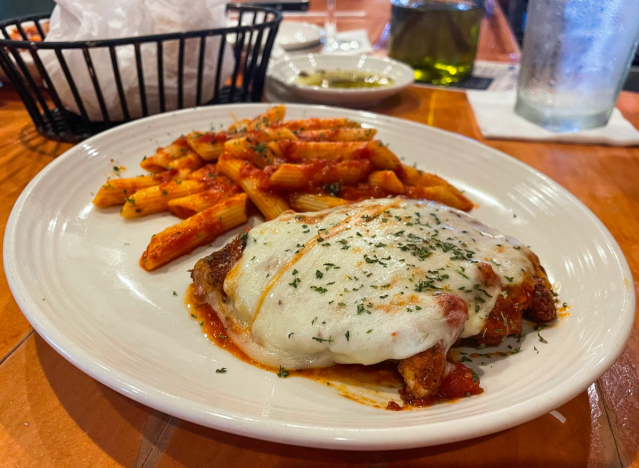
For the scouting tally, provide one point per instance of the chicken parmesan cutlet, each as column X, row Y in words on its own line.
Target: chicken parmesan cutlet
column 381, row 280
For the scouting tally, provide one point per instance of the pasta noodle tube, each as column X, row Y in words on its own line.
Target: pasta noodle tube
column 252, row 180
column 382, row 157
column 255, row 146
column 442, row 194
column 116, row 191
column 192, row 204
column 156, row 199
column 163, row 156
column 231, row 167
column 338, row 134
column 297, row 176
column 319, row 124
column 309, row 202
column 307, row 151
column 387, row 180
column 191, row 162
column 208, row 145
column 272, row 115
column 197, row 230
column 204, row 173
column 412, row 176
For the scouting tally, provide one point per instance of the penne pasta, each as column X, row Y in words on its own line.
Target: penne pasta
column 115, row 191
column 197, row 230
column 298, row 176
column 208, row 145
column 220, row 188
column 412, row 176
column 289, row 176
column 156, row 199
column 271, row 116
column 231, row 167
column 338, row 134
column 255, row 147
column 382, row 157
column 307, row 151
column 319, row 124
column 311, row 164
column 387, row 180
column 250, row 178
column 191, row 162
column 310, row 202
column 204, row 173
column 188, row 206
column 161, row 160
column 442, row 194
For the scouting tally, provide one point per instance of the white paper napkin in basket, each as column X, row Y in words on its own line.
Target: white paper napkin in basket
column 496, row 118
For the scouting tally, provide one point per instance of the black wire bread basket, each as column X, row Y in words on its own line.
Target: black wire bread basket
column 224, row 65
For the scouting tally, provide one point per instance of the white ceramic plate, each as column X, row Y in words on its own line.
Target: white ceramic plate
column 74, row 272
column 286, row 71
column 293, row 35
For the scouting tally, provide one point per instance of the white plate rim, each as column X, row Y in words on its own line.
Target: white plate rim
column 334, row 438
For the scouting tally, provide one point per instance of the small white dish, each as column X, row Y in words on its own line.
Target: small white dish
column 287, row 71
column 294, row 35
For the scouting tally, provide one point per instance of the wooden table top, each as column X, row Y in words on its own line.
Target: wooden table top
column 53, row 415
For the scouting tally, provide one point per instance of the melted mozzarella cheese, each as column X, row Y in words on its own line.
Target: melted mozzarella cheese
column 362, row 283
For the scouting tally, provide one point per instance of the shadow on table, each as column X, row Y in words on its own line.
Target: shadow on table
column 113, row 421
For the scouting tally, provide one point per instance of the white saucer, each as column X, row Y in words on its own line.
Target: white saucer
column 286, row 71
column 293, row 35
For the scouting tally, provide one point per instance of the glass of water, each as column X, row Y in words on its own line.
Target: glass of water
column 575, row 60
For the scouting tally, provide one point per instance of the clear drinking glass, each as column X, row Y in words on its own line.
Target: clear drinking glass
column 575, row 60
column 438, row 38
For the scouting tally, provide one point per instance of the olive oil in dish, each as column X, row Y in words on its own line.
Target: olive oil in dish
column 343, row 79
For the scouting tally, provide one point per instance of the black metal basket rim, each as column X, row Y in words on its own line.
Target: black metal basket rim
column 138, row 39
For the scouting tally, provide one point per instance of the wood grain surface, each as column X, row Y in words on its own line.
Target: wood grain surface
column 53, row 415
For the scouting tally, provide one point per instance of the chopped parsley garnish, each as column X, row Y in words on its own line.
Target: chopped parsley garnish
column 221, row 370
column 321, row 340
column 369, row 330
column 174, row 293
column 295, row 282
column 461, row 272
column 283, row 373
column 319, row 274
column 319, row 289
column 348, row 336
column 509, row 278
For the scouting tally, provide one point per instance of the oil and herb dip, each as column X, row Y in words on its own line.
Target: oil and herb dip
column 343, row 79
